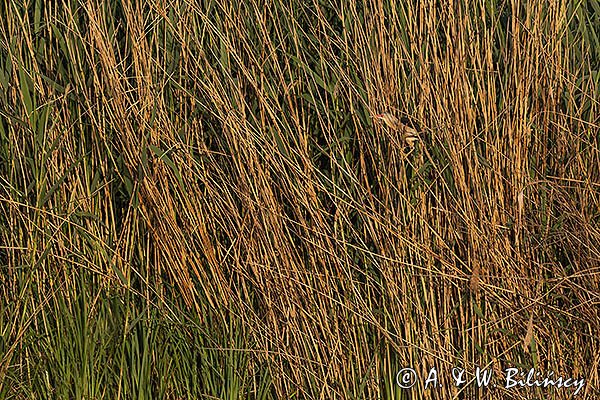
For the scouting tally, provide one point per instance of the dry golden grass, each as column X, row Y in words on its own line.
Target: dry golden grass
column 226, row 153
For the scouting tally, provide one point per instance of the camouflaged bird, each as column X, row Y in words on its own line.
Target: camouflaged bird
column 409, row 135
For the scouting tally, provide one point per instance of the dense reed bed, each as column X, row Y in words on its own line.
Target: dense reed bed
column 195, row 201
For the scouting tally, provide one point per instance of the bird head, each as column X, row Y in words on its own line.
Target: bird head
column 388, row 119
column 408, row 133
